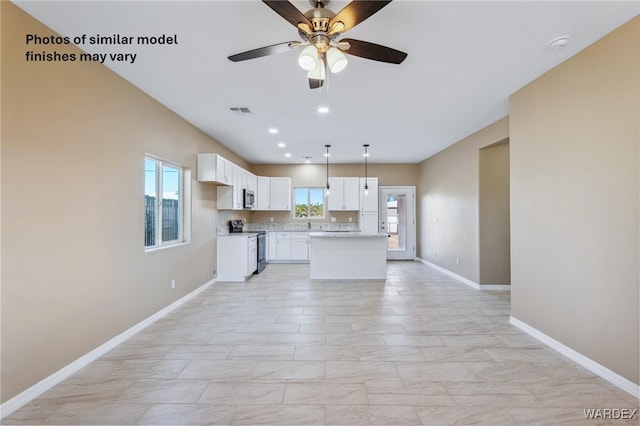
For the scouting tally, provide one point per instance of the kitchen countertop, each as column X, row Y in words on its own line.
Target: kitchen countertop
column 341, row 234
column 302, row 226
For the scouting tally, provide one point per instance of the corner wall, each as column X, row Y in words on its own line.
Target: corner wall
column 448, row 200
column 74, row 270
column 493, row 221
column 575, row 136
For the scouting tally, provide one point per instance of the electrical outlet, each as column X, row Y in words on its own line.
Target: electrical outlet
column 173, row 283
column 457, row 260
column 350, row 219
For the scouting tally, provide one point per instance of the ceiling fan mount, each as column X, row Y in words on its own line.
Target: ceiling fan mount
column 319, row 29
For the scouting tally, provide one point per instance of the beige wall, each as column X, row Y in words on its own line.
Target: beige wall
column 575, row 135
column 74, row 270
column 447, row 203
column 316, row 175
column 494, row 227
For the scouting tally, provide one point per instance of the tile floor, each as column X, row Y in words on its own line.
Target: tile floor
column 419, row 348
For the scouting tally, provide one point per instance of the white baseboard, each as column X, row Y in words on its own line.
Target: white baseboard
column 464, row 280
column 599, row 369
column 26, row 396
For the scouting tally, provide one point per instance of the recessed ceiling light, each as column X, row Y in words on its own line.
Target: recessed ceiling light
column 287, row 154
column 273, row 130
column 323, row 109
column 281, row 144
column 559, row 42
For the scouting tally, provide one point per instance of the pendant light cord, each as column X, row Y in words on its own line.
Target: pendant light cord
column 327, row 155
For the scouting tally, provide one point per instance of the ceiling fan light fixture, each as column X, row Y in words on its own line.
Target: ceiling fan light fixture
column 336, row 59
column 308, row 59
column 318, row 73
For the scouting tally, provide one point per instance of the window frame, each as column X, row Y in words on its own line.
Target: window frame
column 308, row 189
column 160, row 163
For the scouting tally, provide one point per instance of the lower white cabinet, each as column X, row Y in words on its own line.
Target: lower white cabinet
column 237, row 256
column 288, row 246
column 299, row 246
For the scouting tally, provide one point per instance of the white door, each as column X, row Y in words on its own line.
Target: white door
column 397, row 219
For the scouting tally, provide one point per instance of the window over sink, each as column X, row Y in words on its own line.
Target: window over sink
column 309, row 203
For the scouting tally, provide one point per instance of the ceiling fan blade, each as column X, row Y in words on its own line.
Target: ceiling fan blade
column 373, row 51
column 315, row 83
column 356, row 12
column 265, row 51
column 288, row 11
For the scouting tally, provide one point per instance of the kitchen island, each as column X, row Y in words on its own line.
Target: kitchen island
column 347, row 255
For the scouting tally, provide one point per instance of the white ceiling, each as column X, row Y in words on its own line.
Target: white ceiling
column 464, row 60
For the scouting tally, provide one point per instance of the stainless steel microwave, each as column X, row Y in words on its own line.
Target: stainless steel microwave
column 248, row 197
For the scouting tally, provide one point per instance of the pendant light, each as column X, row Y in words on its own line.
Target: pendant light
column 366, row 156
column 327, row 155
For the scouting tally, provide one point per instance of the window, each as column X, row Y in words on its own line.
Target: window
column 309, row 203
column 164, row 215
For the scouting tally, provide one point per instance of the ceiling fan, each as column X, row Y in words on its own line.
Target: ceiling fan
column 319, row 29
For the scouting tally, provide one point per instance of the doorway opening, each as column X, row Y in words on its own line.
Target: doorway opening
column 397, row 219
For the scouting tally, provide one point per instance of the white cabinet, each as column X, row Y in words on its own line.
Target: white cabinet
column 272, row 245
column 273, row 193
column 237, row 257
column 230, row 197
column 279, row 193
column 252, row 182
column 239, row 183
column 252, row 253
column 214, row 168
column 224, row 170
column 263, row 193
column 286, row 246
column 299, row 246
column 344, row 193
column 369, row 201
column 369, row 205
column 283, row 246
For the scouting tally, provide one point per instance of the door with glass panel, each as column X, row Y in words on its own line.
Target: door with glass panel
column 397, row 219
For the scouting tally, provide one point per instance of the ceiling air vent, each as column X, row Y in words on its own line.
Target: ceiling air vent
column 240, row 110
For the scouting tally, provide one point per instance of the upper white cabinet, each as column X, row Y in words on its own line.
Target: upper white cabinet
column 279, row 193
column 369, row 205
column 214, row 168
column 271, row 193
column 263, row 193
column 344, row 193
column 369, row 198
